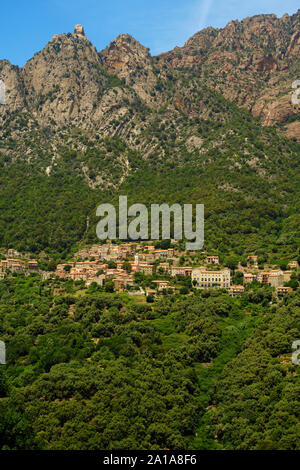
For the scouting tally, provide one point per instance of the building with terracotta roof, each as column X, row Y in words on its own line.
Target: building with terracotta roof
column 13, row 253
column 160, row 254
column 161, row 285
column 236, row 290
column 282, row 290
column 33, row 266
column 181, row 271
column 249, row 277
column 165, row 267
column 276, row 278
column 146, row 268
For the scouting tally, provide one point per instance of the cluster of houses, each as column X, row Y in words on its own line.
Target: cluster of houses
column 119, row 263
column 274, row 278
column 95, row 265
column 102, row 262
column 14, row 264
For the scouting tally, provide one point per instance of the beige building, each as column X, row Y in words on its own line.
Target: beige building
column 283, row 291
column 161, row 285
column 276, row 279
column 263, row 277
column 164, row 266
column 249, row 277
column 272, row 278
column 11, row 253
column 122, row 282
column 33, row 266
column 98, row 280
column 181, row 271
column 146, row 268
column 152, row 292
column 148, row 258
column 147, row 247
column 234, row 291
column 207, row 279
column 161, row 254
column 18, row 268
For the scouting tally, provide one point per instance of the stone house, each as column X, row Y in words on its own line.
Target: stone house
column 235, row 291
column 146, row 268
column 161, row 285
column 181, row 271
column 249, row 277
column 281, row 290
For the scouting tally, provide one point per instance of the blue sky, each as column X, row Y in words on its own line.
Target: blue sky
column 26, row 26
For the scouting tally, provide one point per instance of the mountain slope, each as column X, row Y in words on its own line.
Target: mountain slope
column 79, row 127
column 253, row 63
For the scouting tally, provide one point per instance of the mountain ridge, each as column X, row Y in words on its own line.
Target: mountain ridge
column 252, row 62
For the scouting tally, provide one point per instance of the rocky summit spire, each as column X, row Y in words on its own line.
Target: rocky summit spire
column 79, row 30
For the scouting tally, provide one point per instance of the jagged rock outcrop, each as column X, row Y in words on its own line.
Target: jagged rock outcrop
column 252, row 62
column 294, row 47
column 14, row 88
column 63, row 81
column 129, row 60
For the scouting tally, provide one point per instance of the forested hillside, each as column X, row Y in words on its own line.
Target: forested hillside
column 100, row 371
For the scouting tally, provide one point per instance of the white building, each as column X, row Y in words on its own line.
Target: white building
column 207, row 279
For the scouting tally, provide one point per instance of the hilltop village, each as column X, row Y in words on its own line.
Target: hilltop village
column 143, row 269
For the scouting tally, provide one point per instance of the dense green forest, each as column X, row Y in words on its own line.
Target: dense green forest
column 87, row 369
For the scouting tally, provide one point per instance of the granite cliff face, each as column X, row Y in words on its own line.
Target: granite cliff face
column 132, row 62
column 64, row 85
column 253, row 63
column 62, row 81
column 14, row 97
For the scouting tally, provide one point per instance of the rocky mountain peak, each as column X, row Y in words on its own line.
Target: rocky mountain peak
column 252, row 62
column 125, row 54
column 130, row 60
column 63, row 78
